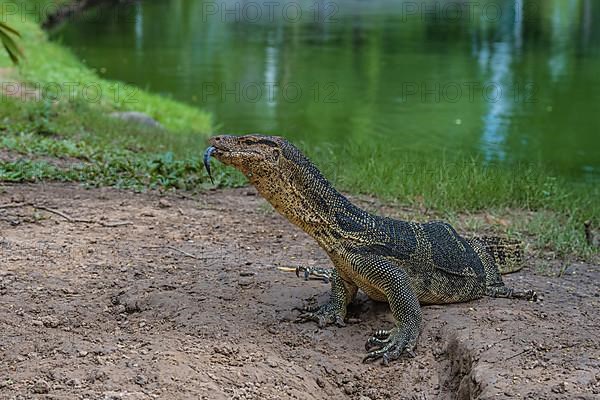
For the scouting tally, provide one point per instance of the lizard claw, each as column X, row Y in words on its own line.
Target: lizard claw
column 390, row 345
column 321, row 320
column 304, row 270
column 323, row 316
column 317, row 272
column 375, row 342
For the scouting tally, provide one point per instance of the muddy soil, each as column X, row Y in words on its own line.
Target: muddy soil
column 150, row 296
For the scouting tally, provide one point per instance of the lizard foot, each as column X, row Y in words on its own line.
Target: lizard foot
column 390, row 345
column 323, row 315
column 317, row 272
column 509, row 293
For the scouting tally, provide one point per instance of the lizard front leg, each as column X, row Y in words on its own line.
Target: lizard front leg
column 334, row 311
column 391, row 280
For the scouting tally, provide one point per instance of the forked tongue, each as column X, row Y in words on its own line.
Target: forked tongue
column 207, row 155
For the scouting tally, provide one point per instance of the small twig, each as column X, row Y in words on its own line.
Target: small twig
column 518, row 354
column 14, row 205
column 66, row 216
column 115, row 224
column 287, row 269
column 185, row 253
column 61, row 214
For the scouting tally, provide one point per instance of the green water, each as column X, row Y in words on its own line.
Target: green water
column 505, row 81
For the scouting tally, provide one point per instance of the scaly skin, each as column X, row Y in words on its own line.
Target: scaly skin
column 403, row 263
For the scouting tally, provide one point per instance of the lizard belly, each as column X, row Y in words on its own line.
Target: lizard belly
column 436, row 287
column 370, row 290
column 348, row 274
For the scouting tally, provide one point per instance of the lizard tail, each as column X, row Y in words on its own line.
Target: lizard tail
column 507, row 253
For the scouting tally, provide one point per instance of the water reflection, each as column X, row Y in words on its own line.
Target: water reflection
column 496, row 61
column 374, row 72
column 139, row 31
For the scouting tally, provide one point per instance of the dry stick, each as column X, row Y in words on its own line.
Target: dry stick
column 60, row 214
column 185, row 253
column 115, row 224
column 86, row 221
column 182, row 252
column 66, row 216
column 14, row 205
column 518, row 354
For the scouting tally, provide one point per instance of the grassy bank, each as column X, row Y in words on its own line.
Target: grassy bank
column 56, row 74
column 54, row 105
column 60, row 129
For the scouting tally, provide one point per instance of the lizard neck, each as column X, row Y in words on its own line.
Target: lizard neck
column 310, row 202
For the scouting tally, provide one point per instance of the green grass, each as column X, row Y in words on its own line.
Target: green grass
column 84, row 145
column 60, row 75
column 75, row 139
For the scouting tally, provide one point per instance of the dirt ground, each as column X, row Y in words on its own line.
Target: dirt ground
column 149, row 296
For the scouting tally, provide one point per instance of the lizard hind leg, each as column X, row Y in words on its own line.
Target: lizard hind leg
column 509, row 293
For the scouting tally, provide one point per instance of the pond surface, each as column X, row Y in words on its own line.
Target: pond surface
column 505, row 81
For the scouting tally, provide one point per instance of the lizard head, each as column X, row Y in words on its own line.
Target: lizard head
column 278, row 170
column 258, row 157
